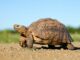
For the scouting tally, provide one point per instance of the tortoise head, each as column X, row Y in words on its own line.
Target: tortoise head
column 20, row 28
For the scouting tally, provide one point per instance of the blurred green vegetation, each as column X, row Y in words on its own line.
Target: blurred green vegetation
column 11, row 36
column 8, row 36
column 73, row 29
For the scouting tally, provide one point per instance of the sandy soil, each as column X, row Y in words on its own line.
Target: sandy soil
column 15, row 52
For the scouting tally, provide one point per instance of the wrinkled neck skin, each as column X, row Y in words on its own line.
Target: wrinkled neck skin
column 24, row 33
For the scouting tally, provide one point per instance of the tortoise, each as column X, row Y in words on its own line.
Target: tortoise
column 45, row 31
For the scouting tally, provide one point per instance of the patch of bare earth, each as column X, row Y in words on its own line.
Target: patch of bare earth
column 15, row 52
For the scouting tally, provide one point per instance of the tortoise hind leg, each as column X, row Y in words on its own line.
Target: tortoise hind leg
column 70, row 46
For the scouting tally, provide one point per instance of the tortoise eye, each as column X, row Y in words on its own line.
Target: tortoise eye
column 17, row 25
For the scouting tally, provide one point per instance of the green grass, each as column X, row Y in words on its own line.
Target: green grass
column 7, row 37
column 13, row 37
column 76, row 37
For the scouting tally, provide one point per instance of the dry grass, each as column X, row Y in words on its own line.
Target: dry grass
column 15, row 52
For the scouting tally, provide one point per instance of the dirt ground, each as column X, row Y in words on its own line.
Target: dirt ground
column 15, row 52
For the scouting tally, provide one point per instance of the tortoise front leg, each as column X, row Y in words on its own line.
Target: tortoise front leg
column 22, row 41
column 29, row 41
